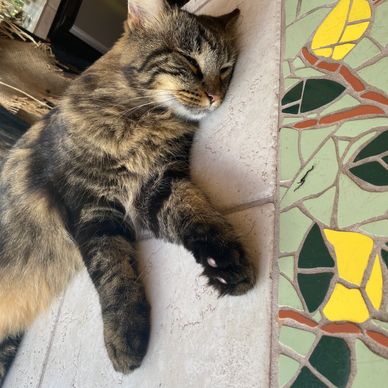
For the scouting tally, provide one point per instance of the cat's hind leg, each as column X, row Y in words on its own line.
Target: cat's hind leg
column 8, row 349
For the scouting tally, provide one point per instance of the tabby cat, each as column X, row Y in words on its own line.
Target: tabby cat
column 112, row 159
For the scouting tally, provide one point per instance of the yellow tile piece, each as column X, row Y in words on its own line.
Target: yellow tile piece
column 326, row 52
column 352, row 252
column 330, row 30
column 346, row 304
column 354, row 31
column 360, row 10
column 342, row 50
column 374, row 286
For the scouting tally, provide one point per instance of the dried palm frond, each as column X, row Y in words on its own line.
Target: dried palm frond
column 11, row 9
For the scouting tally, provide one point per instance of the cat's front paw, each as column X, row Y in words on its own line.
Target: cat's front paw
column 126, row 339
column 234, row 277
column 225, row 261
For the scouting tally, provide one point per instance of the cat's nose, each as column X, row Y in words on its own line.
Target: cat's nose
column 214, row 98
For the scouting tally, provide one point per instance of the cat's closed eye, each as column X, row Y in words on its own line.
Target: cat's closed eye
column 193, row 64
column 226, row 70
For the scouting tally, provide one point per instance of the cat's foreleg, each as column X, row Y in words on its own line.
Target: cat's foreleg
column 179, row 212
column 106, row 244
column 8, row 349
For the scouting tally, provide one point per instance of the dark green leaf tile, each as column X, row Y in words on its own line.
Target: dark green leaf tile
column 377, row 146
column 331, row 357
column 294, row 94
column 293, row 109
column 319, row 92
column 372, row 172
column 385, row 158
column 314, row 252
column 314, row 288
column 307, row 380
column 384, row 256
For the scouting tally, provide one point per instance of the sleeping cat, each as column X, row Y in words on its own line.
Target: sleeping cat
column 112, row 159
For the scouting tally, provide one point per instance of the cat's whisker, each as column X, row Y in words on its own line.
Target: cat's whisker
column 158, row 105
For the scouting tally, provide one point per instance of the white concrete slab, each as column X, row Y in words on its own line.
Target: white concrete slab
column 198, row 340
column 28, row 365
column 234, row 158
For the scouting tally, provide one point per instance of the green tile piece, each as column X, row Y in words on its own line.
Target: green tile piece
column 289, row 159
column 311, row 116
column 371, row 172
column 286, row 266
column 298, row 340
column 288, row 120
column 375, row 147
column 314, row 252
column 354, row 128
column 319, row 92
column 286, row 69
column 344, row 102
column 287, row 295
column 307, row 380
column 293, row 227
column 385, row 158
column 312, row 138
column 294, row 94
column 290, row 7
column 321, row 173
column 314, row 288
column 321, row 207
column 381, row 324
column 331, row 357
column 355, row 147
column 376, row 74
column 308, row 5
column 317, row 316
column 342, row 144
column 288, row 82
column 308, row 72
column 297, row 34
column 298, row 63
column 384, row 256
column 363, row 51
column 351, row 197
column 372, row 370
column 377, row 228
column 316, row 93
column 379, row 29
column 287, row 369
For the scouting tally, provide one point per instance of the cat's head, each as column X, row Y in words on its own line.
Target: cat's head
column 182, row 61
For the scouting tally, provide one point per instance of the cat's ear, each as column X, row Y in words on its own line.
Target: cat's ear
column 229, row 20
column 144, row 12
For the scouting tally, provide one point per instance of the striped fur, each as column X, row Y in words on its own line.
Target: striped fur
column 112, row 158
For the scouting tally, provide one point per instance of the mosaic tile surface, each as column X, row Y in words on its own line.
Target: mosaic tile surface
column 333, row 260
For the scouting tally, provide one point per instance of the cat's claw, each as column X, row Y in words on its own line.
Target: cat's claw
column 212, row 262
column 223, row 281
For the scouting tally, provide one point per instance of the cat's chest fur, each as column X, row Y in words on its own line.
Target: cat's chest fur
column 121, row 164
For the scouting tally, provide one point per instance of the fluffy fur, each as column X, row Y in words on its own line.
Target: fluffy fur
column 112, row 158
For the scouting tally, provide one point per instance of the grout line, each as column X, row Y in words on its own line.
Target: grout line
column 48, row 351
column 247, row 205
column 201, row 6
column 274, row 334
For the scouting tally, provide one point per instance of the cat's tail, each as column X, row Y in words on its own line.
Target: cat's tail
column 11, row 129
column 8, row 349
